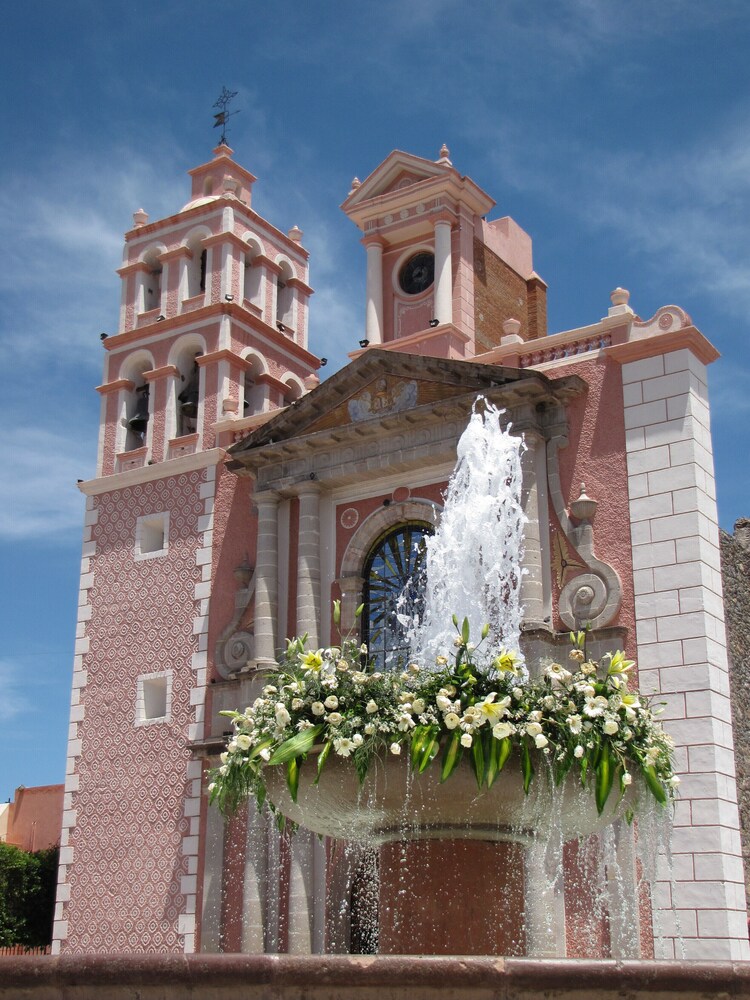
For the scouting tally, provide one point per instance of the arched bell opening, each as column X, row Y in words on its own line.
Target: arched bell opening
column 188, row 388
column 253, row 394
column 135, row 403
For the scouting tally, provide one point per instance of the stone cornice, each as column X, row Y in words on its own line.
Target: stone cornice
column 688, row 338
column 164, row 372
column 120, row 383
column 150, row 473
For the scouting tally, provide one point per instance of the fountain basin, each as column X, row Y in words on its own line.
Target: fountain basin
column 395, row 804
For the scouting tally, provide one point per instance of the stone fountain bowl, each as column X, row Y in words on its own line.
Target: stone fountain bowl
column 394, row 803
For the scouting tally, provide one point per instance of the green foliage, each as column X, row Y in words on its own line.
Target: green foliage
column 27, row 895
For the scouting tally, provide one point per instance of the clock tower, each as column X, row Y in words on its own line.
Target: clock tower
column 441, row 279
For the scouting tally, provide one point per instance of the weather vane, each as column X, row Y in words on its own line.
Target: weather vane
column 220, row 119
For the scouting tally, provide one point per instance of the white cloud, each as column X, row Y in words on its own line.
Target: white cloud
column 13, row 702
column 38, row 495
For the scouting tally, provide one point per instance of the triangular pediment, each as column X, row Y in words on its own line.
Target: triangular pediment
column 378, row 388
column 387, row 177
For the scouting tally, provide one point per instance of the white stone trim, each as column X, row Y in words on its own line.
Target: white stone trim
column 77, row 714
column 682, row 646
column 199, row 665
column 150, row 473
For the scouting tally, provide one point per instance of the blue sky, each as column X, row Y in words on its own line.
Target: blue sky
column 617, row 134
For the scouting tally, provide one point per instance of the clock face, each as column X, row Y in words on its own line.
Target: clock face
column 418, row 273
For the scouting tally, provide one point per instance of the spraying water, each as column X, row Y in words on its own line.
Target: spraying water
column 473, row 565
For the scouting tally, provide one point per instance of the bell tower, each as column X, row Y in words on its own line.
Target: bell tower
column 441, row 280
column 211, row 341
column 213, row 324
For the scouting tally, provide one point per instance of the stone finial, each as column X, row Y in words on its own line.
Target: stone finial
column 222, row 150
column 311, row 382
column 295, row 234
column 511, row 331
column 584, row 508
column 356, row 183
column 140, row 218
column 620, row 297
column 444, row 158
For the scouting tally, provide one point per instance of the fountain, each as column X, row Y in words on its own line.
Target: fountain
column 490, row 784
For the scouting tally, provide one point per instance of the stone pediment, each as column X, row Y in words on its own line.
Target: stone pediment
column 396, row 168
column 381, row 389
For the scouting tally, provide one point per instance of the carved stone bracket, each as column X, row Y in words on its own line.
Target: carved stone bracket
column 235, row 649
column 591, row 598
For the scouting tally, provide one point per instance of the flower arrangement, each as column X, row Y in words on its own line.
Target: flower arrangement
column 581, row 716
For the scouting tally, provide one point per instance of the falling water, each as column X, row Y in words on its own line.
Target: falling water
column 474, row 559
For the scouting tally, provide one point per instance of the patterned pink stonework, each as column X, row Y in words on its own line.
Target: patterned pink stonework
column 125, row 878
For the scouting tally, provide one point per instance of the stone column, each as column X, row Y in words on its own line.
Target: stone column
column 256, row 881
column 443, row 272
column 374, row 313
column 308, row 564
column 266, row 578
column 535, row 596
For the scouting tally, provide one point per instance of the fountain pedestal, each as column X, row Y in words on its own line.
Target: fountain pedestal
column 451, row 897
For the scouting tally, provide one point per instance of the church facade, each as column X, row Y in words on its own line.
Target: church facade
column 237, row 496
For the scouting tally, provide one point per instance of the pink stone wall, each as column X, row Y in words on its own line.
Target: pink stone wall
column 127, row 865
column 596, row 456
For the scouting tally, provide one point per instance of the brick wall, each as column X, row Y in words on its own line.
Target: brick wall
column 499, row 294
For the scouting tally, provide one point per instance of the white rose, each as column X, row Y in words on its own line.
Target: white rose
column 297, row 704
column 443, row 702
column 357, row 740
column 244, row 741
column 265, row 753
column 578, row 752
column 331, row 702
column 533, row 728
column 418, row 706
column 541, row 740
column 370, row 729
column 627, row 779
column 451, row 720
column 503, row 730
column 371, row 707
column 467, row 740
column 335, row 719
column 395, row 749
column 318, row 708
column 282, row 716
column 610, row 727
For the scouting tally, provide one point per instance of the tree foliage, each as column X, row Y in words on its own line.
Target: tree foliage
column 27, row 895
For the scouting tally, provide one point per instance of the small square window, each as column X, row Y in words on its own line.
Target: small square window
column 152, row 536
column 154, row 698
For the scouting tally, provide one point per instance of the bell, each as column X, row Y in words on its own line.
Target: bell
column 188, row 398
column 139, row 421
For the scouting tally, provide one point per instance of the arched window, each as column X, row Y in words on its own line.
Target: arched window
column 285, row 299
column 394, row 577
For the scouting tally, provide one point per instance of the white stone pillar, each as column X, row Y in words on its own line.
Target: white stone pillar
column 443, row 272
column 308, row 564
column 266, row 578
column 255, row 895
column 374, row 313
column 682, row 655
column 213, row 865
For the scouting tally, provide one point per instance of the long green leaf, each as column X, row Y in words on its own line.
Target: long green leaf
column 505, row 748
column 477, row 760
column 429, row 748
column 491, row 755
column 605, row 776
column 296, row 745
column 264, row 744
column 451, row 755
column 418, row 736
column 526, row 766
column 322, row 758
column 652, row 780
column 292, row 778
